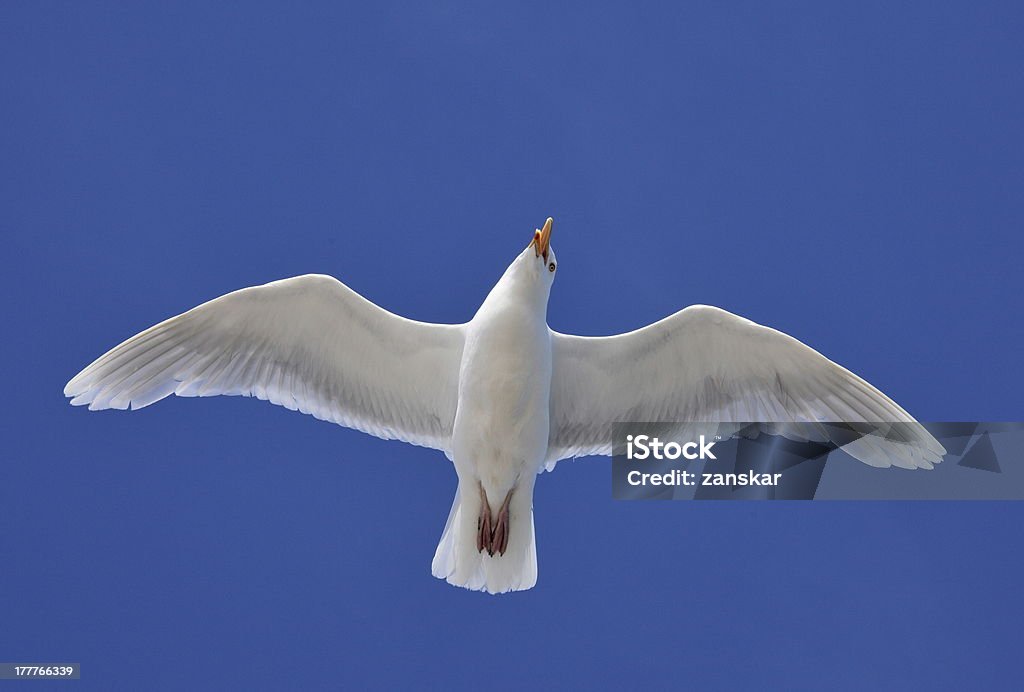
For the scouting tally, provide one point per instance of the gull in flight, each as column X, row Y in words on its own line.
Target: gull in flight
column 503, row 395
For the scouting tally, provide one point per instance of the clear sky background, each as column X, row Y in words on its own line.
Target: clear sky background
column 850, row 173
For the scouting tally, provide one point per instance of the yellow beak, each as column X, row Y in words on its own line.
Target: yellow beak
column 542, row 239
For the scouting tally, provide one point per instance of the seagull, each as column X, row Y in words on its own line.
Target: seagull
column 503, row 395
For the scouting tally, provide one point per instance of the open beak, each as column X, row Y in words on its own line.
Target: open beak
column 542, row 239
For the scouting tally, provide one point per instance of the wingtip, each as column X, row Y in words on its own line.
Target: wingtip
column 76, row 385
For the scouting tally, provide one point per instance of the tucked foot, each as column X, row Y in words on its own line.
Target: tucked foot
column 483, row 525
column 499, row 539
column 492, row 536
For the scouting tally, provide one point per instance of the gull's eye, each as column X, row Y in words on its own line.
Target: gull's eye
column 551, row 267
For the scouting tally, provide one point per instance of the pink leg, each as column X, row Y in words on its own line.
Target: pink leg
column 492, row 537
column 499, row 540
column 483, row 525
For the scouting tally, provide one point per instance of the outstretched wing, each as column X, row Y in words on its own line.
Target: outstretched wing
column 704, row 364
column 308, row 343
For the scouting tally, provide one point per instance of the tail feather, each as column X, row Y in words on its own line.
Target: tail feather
column 459, row 562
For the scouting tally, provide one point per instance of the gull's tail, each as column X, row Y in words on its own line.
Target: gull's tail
column 458, row 561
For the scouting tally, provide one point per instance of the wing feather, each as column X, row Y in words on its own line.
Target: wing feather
column 308, row 343
column 706, row 365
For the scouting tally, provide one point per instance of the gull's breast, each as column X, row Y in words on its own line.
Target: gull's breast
column 501, row 425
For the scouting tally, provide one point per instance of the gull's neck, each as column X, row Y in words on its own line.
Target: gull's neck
column 522, row 286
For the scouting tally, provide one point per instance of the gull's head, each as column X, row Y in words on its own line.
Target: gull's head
column 531, row 274
column 538, row 259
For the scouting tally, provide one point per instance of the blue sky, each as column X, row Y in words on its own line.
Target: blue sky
column 850, row 173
